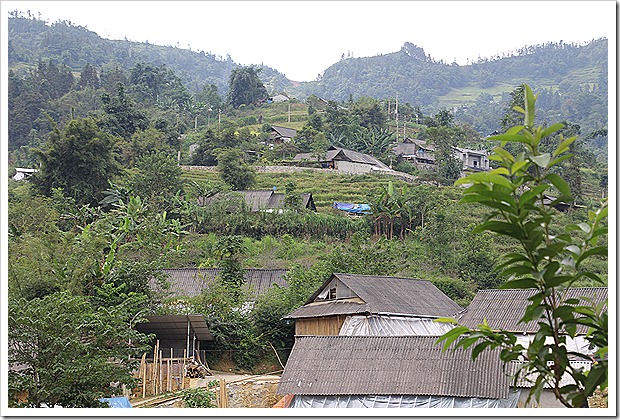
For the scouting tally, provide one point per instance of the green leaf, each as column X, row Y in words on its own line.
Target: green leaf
column 451, row 336
column 478, row 349
column 564, row 145
column 601, row 250
column 532, row 193
column 518, row 165
column 541, row 160
column 552, row 129
column 527, row 283
column 559, row 183
column 559, row 160
column 514, row 138
column 530, row 106
column 503, row 228
column 446, row 320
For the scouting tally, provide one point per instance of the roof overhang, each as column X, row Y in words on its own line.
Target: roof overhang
column 175, row 327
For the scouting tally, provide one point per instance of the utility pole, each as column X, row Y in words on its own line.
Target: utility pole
column 396, row 117
column 289, row 111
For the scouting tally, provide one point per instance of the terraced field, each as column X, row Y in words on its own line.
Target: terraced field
column 325, row 187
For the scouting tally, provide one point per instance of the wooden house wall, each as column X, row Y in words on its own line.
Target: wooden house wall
column 329, row 325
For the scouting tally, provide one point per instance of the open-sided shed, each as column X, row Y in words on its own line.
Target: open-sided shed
column 177, row 332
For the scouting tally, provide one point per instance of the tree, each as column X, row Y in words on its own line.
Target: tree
column 64, row 352
column 548, row 262
column 158, row 178
column 449, row 168
column 89, row 77
column 292, row 198
column 234, row 171
column 121, row 117
column 245, row 87
column 511, row 116
column 229, row 250
column 79, row 160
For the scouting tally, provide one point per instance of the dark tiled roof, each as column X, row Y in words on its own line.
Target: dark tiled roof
column 412, row 365
column 382, row 294
column 503, row 308
column 354, row 156
column 190, row 281
column 284, row 131
column 344, row 154
column 258, row 200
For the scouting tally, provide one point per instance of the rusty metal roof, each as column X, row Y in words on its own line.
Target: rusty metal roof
column 411, row 365
column 504, row 308
column 382, row 294
column 191, row 281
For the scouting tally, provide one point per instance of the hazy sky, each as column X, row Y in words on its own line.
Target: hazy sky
column 303, row 38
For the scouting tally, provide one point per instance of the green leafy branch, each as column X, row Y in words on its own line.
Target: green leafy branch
column 547, row 264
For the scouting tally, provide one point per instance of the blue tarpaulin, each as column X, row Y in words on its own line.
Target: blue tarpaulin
column 117, row 402
column 353, row 208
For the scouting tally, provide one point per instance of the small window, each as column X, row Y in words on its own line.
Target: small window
column 332, row 293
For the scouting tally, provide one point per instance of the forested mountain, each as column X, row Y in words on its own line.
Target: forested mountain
column 571, row 79
column 31, row 40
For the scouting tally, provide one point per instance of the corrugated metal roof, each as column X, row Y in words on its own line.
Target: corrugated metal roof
column 174, row 327
column 383, row 294
column 503, row 308
column 284, row 131
column 412, row 365
column 354, row 156
column 258, row 200
column 190, row 281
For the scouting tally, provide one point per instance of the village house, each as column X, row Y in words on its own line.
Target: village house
column 392, row 372
column 473, row 160
column 23, row 173
column 502, row 309
column 345, row 161
column 279, row 135
column 280, row 97
column 190, row 282
column 352, row 304
column 259, row 200
column 416, row 151
column 420, row 153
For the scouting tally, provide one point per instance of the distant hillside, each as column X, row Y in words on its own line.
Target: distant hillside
column 31, row 40
column 570, row 79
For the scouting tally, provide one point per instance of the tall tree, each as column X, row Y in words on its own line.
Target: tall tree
column 234, row 171
column 64, row 352
column 121, row 117
column 79, row 160
column 89, row 77
column 245, row 87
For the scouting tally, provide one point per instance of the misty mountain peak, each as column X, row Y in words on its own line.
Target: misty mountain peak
column 414, row 51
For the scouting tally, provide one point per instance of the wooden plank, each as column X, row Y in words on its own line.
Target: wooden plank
column 143, row 374
column 169, row 378
column 183, row 369
column 223, row 394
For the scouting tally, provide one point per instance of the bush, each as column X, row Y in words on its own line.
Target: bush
column 198, row 398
